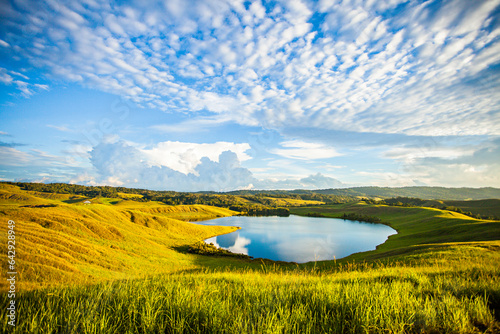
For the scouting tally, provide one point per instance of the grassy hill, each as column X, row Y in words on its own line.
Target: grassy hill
column 440, row 193
column 488, row 207
column 62, row 240
column 482, row 209
column 419, row 229
column 119, row 265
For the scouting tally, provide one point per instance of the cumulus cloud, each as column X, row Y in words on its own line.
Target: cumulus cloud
column 118, row 163
column 184, row 157
column 340, row 71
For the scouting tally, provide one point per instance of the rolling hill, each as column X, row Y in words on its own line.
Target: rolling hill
column 120, row 264
column 60, row 239
column 419, row 192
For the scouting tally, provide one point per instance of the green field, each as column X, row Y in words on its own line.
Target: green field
column 121, row 266
column 61, row 240
column 419, row 229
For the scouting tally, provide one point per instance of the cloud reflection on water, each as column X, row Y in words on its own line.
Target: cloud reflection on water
column 233, row 242
column 299, row 239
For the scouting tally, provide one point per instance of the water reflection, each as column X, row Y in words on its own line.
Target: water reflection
column 298, row 239
column 227, row 240
column 233, row 242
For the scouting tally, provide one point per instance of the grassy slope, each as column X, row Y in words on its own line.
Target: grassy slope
column 77, row 243
column 419, row 192
column 419, row 229
column 458, row 295
column 445, row 278
column 292, row 202
column 119, row 238
column 483, row 207
column 397, row 299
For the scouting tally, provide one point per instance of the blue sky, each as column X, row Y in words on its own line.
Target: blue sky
column 228, row 94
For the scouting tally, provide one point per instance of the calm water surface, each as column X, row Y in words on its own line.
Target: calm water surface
column 298, row 239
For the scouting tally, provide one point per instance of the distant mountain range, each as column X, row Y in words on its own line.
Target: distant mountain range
column 422, row 192
column 440, row 193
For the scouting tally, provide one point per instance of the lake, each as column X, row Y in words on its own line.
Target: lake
column 298, row 239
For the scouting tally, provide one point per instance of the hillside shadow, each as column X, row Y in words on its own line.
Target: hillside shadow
column 75, row 200
column 214, row 262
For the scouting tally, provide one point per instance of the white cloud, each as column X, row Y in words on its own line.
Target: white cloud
column 5, row 78
column 240, row 246
column 386, row 179
column 296, row 149
column 236, row 244
column 449, row 164
column 33, row 158
column 26, row 89
column 198, row 124
column 42, row 87
column 62, row 128
column 185, row 157
column 213, row 102
column 313, row 181
column 186, row 167
column 409, row 154
column 360, row 69
column 119, row 163
column 458, row 174
column 475, row 17
column 14, row 157
column 83, row 178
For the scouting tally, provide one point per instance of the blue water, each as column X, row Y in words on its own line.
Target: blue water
column 298, row 239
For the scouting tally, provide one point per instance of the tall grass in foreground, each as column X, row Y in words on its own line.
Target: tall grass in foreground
column 379, row 300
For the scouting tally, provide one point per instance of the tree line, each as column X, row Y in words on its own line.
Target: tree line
column 442, row 205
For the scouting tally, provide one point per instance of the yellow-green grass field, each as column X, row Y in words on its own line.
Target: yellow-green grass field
column 420, row 230
column 61, row 240
column 119, row 266
column 292, row 202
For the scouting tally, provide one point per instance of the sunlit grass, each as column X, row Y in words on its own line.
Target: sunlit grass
column 418, row 228
column 119, row 266
column 353, row 298
column 276, row 201
column 74, row 243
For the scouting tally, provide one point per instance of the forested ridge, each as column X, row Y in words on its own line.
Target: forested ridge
column 327, row 195
column 475, row 202
column 177, row 198
column 441, row 193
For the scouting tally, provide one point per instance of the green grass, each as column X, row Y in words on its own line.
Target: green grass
column 455, row 297
column 486, row 207
column 73, row 243
column 119, row 266
column 276, row 201
column 418, row 228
